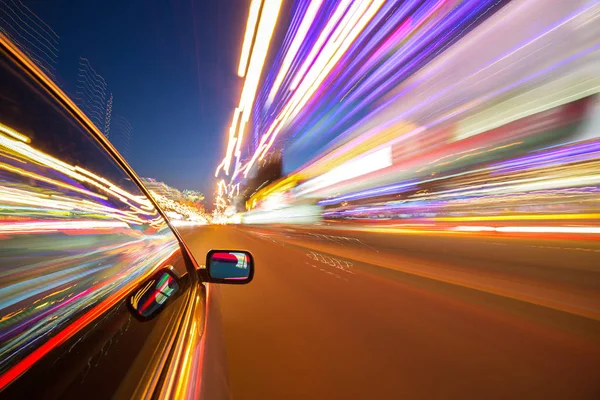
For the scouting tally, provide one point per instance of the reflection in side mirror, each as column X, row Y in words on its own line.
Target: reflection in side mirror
column 229, row 266
column 151, row 297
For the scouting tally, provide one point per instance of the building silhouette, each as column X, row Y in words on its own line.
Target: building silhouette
column 107, row 118
column 91, row 95
column 121, row 133
column 31, row 34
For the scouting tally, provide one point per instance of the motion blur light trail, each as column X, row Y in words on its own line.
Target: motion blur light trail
column 42, row 167
column 266, row 26
column 95, row 240
column 558, row 184
column 456, row 116
column 311, row 69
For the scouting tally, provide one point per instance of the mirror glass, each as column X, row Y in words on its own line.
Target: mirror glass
column 151, row 297
column 229, row 265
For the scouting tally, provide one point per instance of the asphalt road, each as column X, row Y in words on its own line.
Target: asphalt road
column 357, row 315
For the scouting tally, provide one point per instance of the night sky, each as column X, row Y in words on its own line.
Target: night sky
column 171, row 66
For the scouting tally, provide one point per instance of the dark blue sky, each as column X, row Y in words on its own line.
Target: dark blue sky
column 171, row 66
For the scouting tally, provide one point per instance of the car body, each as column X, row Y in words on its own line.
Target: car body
column 99, row 296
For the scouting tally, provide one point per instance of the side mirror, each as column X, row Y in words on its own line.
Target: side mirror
column 229, row 266
column 154, row 294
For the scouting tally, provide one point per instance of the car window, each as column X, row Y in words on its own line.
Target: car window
column 75, row 230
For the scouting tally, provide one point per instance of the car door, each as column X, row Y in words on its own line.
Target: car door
column 81, row 243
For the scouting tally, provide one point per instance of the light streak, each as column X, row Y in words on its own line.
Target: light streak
column 14, row 134
column 331, row 24
column 249, row 36
column 41, row 226
column 533, row 217
column 266, row 27
column 531, row 229
column 359, row 166
column 307, row 21
column 516, row 13
column 474, row 132
column 358, row 17
column 80, row 174
column 38, row 177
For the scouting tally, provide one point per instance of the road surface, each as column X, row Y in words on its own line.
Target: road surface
column 354, row 315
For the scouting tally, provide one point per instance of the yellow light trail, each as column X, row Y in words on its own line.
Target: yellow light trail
column 27, row 152
column 264, row 34
column 266, row 28
column 13, row 133
column 527, row 217
column 232, row 141
column 41, row 178
column 249, row 36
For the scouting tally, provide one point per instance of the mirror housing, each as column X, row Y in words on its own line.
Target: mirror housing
column 150, row 298
column 234, row 267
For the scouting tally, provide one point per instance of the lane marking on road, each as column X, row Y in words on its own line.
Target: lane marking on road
column 327, row 272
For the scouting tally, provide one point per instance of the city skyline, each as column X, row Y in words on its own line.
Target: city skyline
column 96, row 101
column 122, row 135
column 91, row 95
